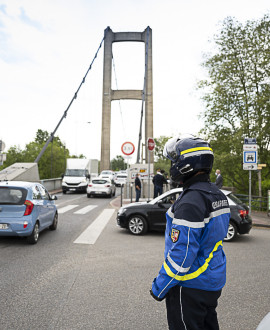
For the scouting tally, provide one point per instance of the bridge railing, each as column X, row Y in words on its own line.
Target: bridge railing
column 52, row 184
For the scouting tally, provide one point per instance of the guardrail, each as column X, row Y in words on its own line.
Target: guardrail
column 52, row 184
column 257, row 203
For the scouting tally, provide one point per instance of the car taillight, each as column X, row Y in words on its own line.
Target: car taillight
column 242, row 213
column 25, row 224
column 90, row 185
column 108, row 185
column 29, row 207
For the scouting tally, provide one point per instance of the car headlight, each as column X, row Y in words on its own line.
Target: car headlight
column 121, row 211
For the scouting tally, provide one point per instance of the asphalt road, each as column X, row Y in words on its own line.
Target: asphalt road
column 58, row 284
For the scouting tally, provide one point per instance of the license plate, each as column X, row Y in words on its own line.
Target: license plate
column 3, row 226
column 72, row 189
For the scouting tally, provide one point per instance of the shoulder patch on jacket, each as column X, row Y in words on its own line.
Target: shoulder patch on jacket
column 174, row 235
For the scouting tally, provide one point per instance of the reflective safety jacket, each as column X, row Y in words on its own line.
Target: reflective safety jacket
column 196, row 226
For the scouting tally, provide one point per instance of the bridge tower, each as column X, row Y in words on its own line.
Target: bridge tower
column 110, row 95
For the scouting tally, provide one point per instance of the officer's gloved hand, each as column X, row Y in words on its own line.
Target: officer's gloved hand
column 154, row 292
column 155, row 297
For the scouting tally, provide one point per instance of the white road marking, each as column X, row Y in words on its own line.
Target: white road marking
column 85, row 209
column 92, row 232
column 66, row 208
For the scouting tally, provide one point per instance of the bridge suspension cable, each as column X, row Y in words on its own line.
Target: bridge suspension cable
column 143, row 95
column 116, row 84
column 74, row 97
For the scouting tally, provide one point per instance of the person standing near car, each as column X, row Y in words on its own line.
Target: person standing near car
column 219, row 179
column 138, row 187
column 158, row 181
column 194, row 271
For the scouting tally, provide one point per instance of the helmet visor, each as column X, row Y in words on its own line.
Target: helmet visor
column 169, row 150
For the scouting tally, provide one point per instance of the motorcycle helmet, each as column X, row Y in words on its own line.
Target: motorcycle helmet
column 188, row 155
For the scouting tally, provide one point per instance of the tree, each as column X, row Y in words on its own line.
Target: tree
column 161, row 161
column 237, row 96
column 118, row 163
column 53, row 162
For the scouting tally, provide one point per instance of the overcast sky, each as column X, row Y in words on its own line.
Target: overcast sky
column 46, row 47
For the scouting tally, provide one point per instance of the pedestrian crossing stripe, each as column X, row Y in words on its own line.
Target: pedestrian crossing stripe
column 86, row 209
column 92, row 232
column 66, row 208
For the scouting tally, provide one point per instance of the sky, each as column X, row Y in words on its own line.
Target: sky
column 46, row 47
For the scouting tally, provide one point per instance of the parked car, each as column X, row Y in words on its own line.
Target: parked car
column 26, row 208
column 121, row 179
column 141, row 217
column 101, row 187
column 107, row 174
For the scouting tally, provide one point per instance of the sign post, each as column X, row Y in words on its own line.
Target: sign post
column 128, row 149
column 150, row 146
column 250, row 160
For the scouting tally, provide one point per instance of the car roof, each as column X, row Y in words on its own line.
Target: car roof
column 21, row 184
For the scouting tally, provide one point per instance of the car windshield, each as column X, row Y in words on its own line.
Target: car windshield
column 75, row 172
column 106, row 172
column 121, row 176
column 12, row 196
column 235, row 199
column 99, row 181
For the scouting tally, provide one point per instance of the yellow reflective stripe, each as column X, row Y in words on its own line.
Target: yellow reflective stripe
column 195, row 149
column 198, row 272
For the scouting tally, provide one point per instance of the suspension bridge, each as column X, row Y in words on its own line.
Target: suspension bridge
column 109, row 95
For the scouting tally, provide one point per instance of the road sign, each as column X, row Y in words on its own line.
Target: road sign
column 250, row 141
column 128, row 148
column 250, row 147
column 150, row 144
column 250, row 167
column 250, row 157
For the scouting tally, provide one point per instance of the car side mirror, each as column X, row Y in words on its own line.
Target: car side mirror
column 160, row 203
column 53, row 198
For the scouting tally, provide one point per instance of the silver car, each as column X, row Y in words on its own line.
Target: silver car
column 101, row 187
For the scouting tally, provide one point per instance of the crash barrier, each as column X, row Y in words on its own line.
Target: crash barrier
column 257, row 203
column 52, row 184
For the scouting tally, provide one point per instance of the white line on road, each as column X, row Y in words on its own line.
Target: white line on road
column 86, row 209
column 66, row 208
column 91, row 234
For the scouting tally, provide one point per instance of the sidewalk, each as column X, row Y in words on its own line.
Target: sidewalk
column 259, row 219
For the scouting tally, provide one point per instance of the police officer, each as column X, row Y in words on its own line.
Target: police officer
column 194, row 271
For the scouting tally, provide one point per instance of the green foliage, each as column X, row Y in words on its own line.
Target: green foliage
column 118, row 163
column 237, row 98
column 52, row 163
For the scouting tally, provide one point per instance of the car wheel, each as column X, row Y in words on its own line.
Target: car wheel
column 64, row 192
column 53, row 226
column 88, row 195
column 33, row 238
column 137, row 225
column 232, row 232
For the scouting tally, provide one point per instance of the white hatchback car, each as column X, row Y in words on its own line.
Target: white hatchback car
column 101, row 187
column 107, row 174
column 121, row 179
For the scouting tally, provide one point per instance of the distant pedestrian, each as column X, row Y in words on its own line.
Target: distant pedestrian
column 158, row 182
column 219, row 179
column 138, row 187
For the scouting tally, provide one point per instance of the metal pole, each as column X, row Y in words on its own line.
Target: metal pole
column 249, row 191
column 131, row 185
column 148, row 175
column 121, row 194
